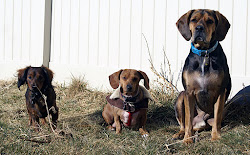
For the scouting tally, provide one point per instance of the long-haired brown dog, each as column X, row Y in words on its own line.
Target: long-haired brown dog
column 38, row 80
column 129, row 103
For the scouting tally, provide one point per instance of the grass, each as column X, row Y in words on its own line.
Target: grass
column 84, row 130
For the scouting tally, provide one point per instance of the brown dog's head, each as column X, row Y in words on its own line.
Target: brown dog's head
column 35, row 77
column 202, row 27
column 129, row 81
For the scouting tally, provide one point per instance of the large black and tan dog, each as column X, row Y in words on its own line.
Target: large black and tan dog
column 205, row 75
column 38, row 80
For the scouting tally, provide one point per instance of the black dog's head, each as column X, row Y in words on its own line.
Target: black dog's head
column 203, row 26
column 35, row 77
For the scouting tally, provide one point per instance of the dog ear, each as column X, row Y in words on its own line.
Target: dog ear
column 114, row 79
column 183, row 25
column 48, row 73
column 146, row 79
column 22, row 76
column 222, row 26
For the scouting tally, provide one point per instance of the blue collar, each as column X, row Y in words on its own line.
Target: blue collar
column 203, row 52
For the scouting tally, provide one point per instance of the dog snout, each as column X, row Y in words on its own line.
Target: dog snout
column 129, row 87
column 33, row 87
column 199, row 28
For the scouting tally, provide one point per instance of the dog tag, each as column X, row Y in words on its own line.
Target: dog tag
column 206, row 60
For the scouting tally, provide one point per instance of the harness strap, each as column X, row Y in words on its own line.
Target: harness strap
column 143, row 104
column 129, row 118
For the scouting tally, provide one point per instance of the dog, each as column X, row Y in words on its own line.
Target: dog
column 129, row 102
column 205, row 75
column 38, row 80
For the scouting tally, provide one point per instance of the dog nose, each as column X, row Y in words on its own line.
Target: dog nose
column 129, row 87
column 33, row 86
column 199, row 28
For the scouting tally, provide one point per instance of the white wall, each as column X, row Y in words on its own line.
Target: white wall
column 21, row 35
column 94, row 38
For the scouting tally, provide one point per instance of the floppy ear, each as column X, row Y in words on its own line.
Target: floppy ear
column 48, row 73
column 183, row 25
column 222, row 26
column 22, row 76
column 146, row 79
column 114, row 79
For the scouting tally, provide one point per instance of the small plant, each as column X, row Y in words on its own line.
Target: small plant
column 164, row 80
column 77, row 85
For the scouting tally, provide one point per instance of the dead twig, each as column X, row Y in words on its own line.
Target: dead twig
column 180, row 141
column 46, row 105
column 35, row 139
column 168, row 83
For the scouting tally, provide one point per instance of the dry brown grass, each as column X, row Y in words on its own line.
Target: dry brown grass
column 84, row 130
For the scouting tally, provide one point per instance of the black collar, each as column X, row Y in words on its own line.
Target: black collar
column 131, row 99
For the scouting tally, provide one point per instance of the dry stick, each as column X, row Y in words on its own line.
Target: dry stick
column 44, row 97
column 167, row 145
column 154, row 70
column 34, row 140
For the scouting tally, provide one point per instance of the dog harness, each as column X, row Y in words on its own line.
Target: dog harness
column 129, row 106
column 203, row 52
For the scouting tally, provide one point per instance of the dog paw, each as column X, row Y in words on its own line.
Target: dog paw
column 145, row 136
column 110, row 128
column 179, row 135
column 188, row 139
column 215, row 137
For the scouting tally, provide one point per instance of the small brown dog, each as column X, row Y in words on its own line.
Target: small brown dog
column 129, row 103
column 38, row 80
column 205, row 75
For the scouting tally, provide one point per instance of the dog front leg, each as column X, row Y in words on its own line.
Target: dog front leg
column 35, row 122
column 54, row 113
column 218, row 112
column 189, row 102
column 142, row 124
column 180, row 115
column 117, row 124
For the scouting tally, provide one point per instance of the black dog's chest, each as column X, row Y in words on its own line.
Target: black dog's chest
column 205, row 77
column 202, row 72
column 204, row 65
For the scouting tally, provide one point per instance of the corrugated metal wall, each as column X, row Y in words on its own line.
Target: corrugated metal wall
column 94, row 38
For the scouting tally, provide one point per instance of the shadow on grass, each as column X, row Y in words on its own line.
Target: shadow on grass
column 160, row 116
column 97, row 117
column 76, row 122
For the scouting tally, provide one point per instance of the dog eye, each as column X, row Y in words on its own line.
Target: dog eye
column 209, row 21
column 124, row 78
column 40, row 77
column 194, row 20
column 29, row 77
column 134, row 79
